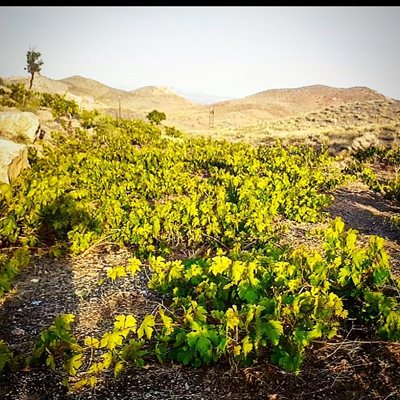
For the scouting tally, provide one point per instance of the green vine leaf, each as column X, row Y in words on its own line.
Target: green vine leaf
column 146, row 327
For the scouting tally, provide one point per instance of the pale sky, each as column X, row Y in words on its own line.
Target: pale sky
column 227, row 51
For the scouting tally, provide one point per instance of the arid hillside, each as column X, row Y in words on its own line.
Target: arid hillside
column 283, row 103
column 321, row 112
column 137, row 103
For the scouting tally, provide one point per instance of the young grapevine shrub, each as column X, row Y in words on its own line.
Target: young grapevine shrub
column 270, row 302
column 126, row 183
column 382, row 157
column 244, row 297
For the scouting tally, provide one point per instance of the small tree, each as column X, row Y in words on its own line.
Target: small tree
column 155, row 117
column 33, row 64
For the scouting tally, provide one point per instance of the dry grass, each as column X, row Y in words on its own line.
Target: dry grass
column 333, row 124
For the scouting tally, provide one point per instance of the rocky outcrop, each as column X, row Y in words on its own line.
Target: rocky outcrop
column 17, row 130
column 13, row 159
column 22, row 127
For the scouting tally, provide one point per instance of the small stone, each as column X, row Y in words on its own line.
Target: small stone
column 35, row 280
column 187, row 386
column 36, row 302
column 18, row 332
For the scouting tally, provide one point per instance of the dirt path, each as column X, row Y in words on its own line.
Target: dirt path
column 340, row 370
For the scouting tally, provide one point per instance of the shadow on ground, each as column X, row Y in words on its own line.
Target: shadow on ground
column 350, row 372
column 366, row 211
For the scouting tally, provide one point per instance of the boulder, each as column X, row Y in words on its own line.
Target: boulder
column 13, row 159
column 364, row 141
column 19, row 126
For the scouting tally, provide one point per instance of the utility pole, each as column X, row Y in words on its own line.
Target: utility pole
column 211, row 119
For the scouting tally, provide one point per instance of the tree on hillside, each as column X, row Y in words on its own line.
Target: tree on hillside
column 33, row 64
column 155, row 117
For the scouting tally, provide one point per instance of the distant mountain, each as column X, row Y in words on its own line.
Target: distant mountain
column 162, row 98
column 315, row 95
column 282, row 103
column 201, row 97
column 89, row 87
column 93, row 94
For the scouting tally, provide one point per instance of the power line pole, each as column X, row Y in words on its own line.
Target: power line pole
column 211, row 119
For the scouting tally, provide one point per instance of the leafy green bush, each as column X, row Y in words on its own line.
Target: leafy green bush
column 155, row 117
column 173, row 132
column 5, row 356
column 27, row 100
column 10, row 266
column 88, row 119
column 60, row 105
column 21, row 98
column 367, row 159
column 242, row 306
column 127, row 183
column 389, row 156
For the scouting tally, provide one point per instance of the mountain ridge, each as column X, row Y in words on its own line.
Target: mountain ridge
column 185, row 114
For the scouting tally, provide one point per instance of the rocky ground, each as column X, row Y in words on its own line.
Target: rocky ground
column 355, row 366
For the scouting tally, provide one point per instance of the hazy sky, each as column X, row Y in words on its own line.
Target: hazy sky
column 232, row 51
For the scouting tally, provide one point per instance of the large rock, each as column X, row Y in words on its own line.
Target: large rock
column 19, row 126
column 365, row 141
column 13, row 159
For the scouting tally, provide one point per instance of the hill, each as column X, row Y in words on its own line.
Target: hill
column 308, row 98
column 266, row 114
column 284, row 103
column 93, row 94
